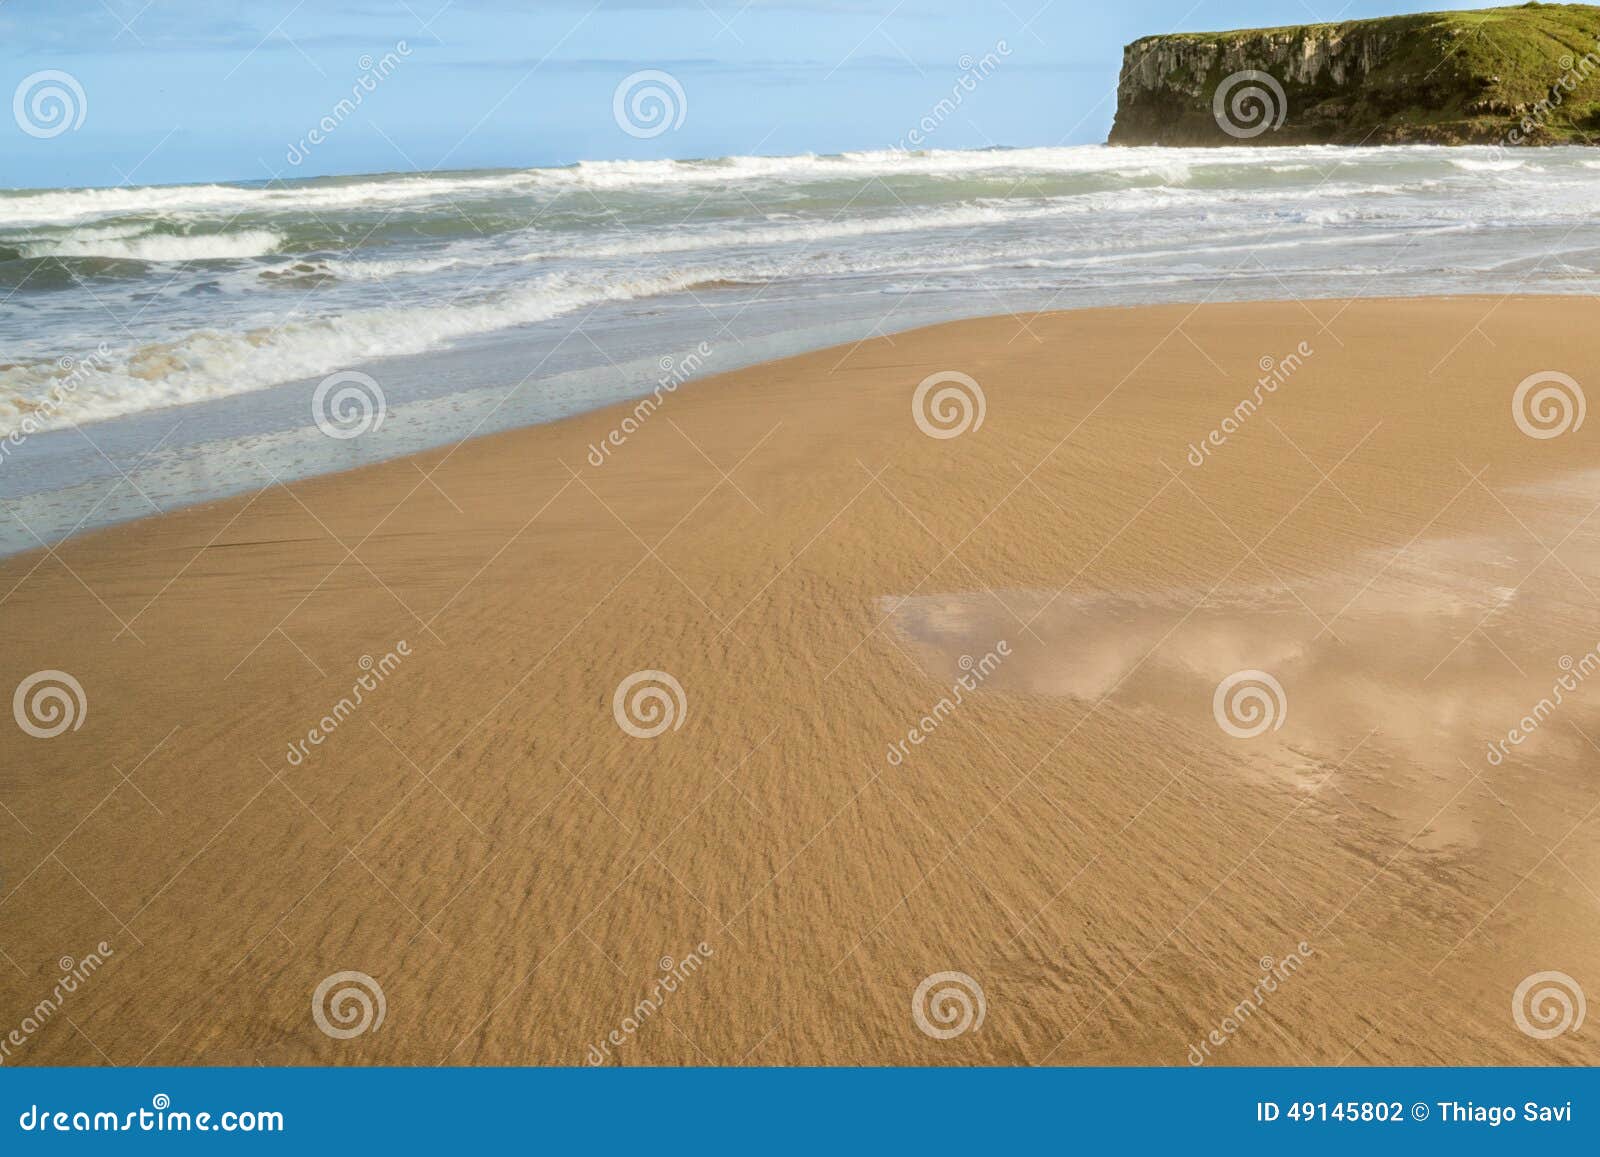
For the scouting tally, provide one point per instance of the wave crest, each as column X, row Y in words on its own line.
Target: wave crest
column 156, row 247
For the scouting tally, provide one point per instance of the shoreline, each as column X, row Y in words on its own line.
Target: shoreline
column 462, row 307
column 224, row 439
column 808, row 568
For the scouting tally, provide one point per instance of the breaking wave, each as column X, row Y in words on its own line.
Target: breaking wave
column 230, row 288
column 152, row 246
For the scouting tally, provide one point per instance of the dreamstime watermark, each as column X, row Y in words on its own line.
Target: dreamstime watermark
column 1273, row 974
column 1247, row 703
column 947, row 404
column 674, row 973
column 161, row 1117
column 74, row 372
column 348, row 404
column 649, row 102
column 1574, row 71
column 49, row 103
column 373, row 73
column 948, row 1004
column 48, row 702
column 1547, row 1004
column 648, row 702
column 1575, row 671
column 1548, row 404
column 373, row 673
column 347, row 1004
column 1249, row 103
column 674, row 372
column 973, row 73
column 975, row 671
column 1274, row 373
column 74, row 973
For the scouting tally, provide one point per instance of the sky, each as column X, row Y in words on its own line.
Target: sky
column 167, row 91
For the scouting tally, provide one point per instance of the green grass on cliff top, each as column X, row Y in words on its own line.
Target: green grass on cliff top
column 1545, row 23
column 1511, row 54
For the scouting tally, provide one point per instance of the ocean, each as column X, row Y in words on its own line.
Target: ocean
column 166, row 345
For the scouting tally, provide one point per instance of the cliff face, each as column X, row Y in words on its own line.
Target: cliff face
column 1528, row 75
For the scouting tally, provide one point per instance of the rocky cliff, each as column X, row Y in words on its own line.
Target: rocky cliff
column 1513, row 76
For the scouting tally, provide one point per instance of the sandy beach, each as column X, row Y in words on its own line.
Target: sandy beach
column 937, row 704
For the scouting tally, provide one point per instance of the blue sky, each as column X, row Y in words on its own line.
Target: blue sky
column 187, row 90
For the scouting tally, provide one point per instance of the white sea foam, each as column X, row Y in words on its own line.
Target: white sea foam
column 151, row 246
column 689, row 240
column 1487, row 164
column 1172, row 166
column 201, row 201
column 1175, row 166
column 347, row 271
column 211, row 364
column 974, row 217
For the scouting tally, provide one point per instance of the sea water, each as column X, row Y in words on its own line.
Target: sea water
column 164, row 345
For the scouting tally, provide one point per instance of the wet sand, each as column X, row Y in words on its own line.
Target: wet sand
column 1128, row 842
